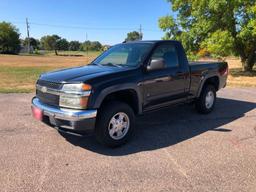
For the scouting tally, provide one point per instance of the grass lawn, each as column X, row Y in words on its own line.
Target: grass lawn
column 18, row 73
column 239, row 78
column 64, row 53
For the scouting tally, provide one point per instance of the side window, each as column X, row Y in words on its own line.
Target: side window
column 168, row 53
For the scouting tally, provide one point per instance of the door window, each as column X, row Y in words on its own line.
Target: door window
column 168, row 53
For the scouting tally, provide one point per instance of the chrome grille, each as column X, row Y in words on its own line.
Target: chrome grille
column 47, row 98
column 49, row 84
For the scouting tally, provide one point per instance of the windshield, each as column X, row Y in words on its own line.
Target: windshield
column 130, row 54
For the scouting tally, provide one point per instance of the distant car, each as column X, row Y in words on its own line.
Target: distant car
column 128, row 79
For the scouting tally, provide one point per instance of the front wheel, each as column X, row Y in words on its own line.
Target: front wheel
column 206, row 102
column 115, row 124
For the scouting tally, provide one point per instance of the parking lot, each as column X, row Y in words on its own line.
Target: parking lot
column 173, row 149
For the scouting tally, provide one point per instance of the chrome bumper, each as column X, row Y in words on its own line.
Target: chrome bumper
column 62, row 113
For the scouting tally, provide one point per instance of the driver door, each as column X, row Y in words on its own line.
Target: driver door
column 164, row 86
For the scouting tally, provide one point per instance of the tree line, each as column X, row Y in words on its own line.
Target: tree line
column 11, row 43
column 56, row 43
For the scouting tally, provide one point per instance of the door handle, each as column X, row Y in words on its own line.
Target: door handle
column 163, row 79
column 180, row 74
column 159, row 80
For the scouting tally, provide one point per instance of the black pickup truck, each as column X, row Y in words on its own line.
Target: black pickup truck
column 127, row 80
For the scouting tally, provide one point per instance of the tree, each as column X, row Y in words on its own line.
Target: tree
column 91, row 46
column 62, row 44
column 49, row 42
column 220, row 26
column 95, row 46
column 86, row 46
column 74, row 45
column 9, row 38
column 33, row 42
column 133, row 36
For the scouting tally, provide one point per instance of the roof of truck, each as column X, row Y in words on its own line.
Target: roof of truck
column 150, row 41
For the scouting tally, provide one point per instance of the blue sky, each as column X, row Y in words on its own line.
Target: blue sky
column 105, row 21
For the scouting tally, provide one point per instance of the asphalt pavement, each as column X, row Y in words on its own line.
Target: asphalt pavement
column 174, row 149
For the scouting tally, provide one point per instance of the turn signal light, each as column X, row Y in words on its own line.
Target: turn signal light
column 86, row 87
column 83, row 102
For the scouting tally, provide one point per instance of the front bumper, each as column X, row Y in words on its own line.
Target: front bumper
column 76, row 120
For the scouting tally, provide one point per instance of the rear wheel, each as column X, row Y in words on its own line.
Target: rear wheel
column 206, row 102
column 115, row 124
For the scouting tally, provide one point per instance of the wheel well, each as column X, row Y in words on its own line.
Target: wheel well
column 128, row 96
column 213, row 81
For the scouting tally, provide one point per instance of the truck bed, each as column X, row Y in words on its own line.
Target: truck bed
column 200, row 66
column 200, row 69
column 206, row 65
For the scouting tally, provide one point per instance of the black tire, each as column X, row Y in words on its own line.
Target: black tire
column 106, row 113
column 201, row 105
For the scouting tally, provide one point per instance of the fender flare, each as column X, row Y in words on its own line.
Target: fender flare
column 115, row 88
column 204, row 78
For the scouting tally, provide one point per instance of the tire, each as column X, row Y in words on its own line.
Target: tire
column 206, row 102
column 111, row 129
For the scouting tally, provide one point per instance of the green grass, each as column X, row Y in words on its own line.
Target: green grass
column 15, row 90
column 20, row 79
column 77, row 53
column 18, row 73
column 23, row 74
column 65, row 53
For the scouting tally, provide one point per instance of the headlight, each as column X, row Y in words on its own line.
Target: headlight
column 76, row 88
column 75, row 96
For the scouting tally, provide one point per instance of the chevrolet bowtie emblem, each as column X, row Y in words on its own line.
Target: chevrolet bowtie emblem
column 44, row 89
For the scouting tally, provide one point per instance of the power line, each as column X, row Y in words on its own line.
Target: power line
column 89, row 28
column 81, row 27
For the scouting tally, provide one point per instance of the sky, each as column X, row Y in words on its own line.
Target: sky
column 105, row 21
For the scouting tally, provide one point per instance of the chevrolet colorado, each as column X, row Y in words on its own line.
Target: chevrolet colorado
column 127, row 80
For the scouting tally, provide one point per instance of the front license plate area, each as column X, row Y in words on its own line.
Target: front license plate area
column 37, row 113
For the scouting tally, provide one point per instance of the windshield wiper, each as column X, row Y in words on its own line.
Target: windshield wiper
column 95, row 64
column 112, row 64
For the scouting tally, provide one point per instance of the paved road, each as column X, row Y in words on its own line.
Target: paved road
column 173, row 150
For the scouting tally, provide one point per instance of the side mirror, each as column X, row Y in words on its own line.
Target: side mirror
column 156, row 64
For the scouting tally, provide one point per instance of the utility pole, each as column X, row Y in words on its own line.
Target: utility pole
column 28, row 39
column 87, row 48
column 140, row 30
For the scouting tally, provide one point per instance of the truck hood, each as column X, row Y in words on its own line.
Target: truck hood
column 82, row 73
